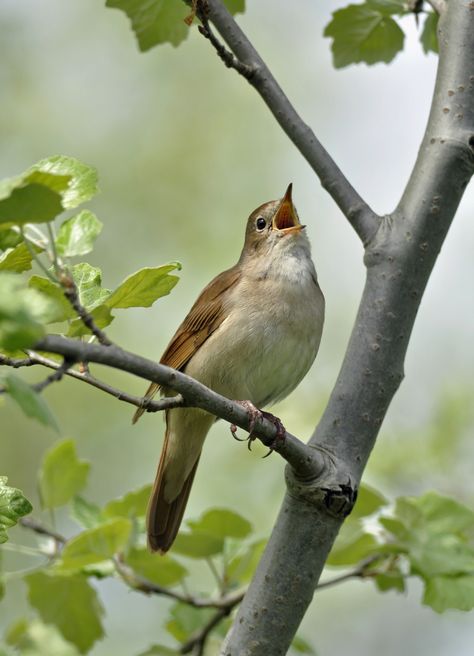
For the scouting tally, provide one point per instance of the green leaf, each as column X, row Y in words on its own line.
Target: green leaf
column 362, row 33
column 155, row 22
column 352, row 545
column 390, row 580
column 443, row 514
column 159, row 650
column 102, row 317
column 62, row 474
column 13, row 505
column 197, row 545
column 133, row 504
column 38, row 639
column 163, row 570
column 32, row 403
column 63, row 310
column 186, row 620
column 88, row 280
column 47, row 188
column 144, row 287
column 235, row 6
column 302, row 646
column 368, row 501
column 429, row 35
column 241, row 568
column 389, row 7
column 95, row 545
column 71, row 604
column 17, row 259
column 77, row 235
column 85, row 513
column 222, row 523
column 22, row 312
column 443, row 592
column 9, row 237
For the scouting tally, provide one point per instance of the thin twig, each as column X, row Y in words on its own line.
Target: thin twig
column 71, row 293
column 29, row 245
column 141, row 584
column 229, row 59
column 249, row 63
column 198, row 640
column 37, row 527
column 138, row 401
column 61, row 369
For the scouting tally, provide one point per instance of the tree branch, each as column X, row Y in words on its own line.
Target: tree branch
column 248, row 62
column 138, row 401
column 308, row 461
column 399, row 261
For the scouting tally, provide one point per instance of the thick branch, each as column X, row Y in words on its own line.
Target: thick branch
column 307, row 461
column 249, row 63
column 399, row 261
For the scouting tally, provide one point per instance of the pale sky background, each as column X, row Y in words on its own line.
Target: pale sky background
column 185, row 151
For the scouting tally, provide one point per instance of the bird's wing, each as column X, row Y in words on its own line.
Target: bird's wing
column 205, row 316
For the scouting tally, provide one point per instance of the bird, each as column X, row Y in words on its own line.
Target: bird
column 252, row 335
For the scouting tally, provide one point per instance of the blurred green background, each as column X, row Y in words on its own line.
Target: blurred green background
column 185, row 150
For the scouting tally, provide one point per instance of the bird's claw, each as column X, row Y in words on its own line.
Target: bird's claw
column 254, row 414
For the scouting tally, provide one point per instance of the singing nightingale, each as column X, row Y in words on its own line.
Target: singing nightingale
column 252, row 335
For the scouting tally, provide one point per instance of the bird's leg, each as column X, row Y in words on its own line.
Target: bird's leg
column 254, row 414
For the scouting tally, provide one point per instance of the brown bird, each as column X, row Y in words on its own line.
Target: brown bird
column 252, row 334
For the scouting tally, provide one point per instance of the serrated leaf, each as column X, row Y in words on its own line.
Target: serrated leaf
column 155, row 22
column 13, row 505
column 63, row 310
column 70, row 604
column 186, row 620
column 197, row 545
column 368, row 501
column 144, row 287
column 86, row 513
column 88, row 280
column 22, row 312
column 443, row 592
column 47, row 188
column 443, row 514
column 222, row 523
column 17, row 259
column 429, row 35
column 81, row 179
column 95, row 545
column 38, row 639
column 32, row 403
column 77, row 235
column 62, row 474
column 133, row 504
column 362, row 33
column 302, row 646
column 163, row 570
column 102, row 317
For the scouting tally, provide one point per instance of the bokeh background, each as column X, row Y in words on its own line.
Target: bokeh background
column 185, row 150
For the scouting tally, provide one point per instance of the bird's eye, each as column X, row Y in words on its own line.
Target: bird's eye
column 261, row 223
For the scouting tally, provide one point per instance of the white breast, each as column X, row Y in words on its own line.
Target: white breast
column 271, row 335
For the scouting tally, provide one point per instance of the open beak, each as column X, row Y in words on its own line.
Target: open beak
column 285, row 219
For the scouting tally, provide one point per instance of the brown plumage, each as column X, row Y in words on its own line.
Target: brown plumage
column 252, row 334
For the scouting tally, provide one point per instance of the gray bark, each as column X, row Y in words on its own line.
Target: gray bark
column 399, row 260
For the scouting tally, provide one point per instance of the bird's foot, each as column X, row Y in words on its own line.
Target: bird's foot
column 254, row 414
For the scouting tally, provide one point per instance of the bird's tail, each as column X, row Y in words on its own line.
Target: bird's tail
column 186, row 430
